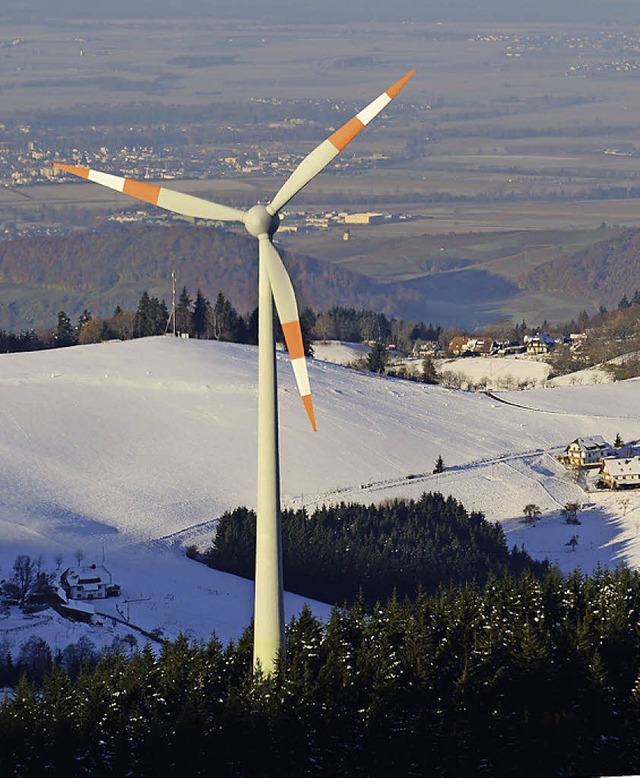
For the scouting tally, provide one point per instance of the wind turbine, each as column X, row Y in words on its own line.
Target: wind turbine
column 274, row 284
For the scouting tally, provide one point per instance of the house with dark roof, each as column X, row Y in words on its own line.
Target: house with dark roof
column 587, row 452
column 540, row 343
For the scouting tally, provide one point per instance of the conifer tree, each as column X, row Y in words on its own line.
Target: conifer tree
column 201, row 316
column 64, row 334
column 307, row 323
column 429, row 373
column 225, row 319
column 377, row 358
column 183, row 313
column 624, row 303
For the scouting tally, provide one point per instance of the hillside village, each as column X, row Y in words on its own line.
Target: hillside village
column 601, row 347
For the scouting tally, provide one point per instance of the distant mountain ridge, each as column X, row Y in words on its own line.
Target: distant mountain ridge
column 41, row 275
column 603, row 272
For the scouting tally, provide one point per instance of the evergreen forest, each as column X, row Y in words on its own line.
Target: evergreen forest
column 342, row 551
column 522, row 676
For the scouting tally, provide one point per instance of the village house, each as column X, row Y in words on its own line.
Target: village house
column 587, row 452
column 540, row 343
column 620, row 473
column 90, row 582
column 457, row 345
column 463, row 345
column 425, row 348
column 576, row 340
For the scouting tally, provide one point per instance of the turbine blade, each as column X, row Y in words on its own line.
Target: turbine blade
column 170, row 200
column 287, row 308
column 320, row 157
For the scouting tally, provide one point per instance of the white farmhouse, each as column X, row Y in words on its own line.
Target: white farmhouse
column 620, row 473
column 587, row 452
column 90, row 582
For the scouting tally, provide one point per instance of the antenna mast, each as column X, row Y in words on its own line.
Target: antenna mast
column 172, row 315
column 173, row 300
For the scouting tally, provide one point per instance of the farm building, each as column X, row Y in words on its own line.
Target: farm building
column 540, row 343
column 463, row 345
column 587, row 452
column 620, row 473
column 90, row 582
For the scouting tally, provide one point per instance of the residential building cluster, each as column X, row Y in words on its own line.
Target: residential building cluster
column 534, row 345
column 26, row 158
column 516, row 43
column 618, row 467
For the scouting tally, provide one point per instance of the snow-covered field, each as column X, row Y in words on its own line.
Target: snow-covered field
column 130, row 450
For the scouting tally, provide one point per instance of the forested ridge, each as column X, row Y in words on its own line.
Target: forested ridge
column 527, row 677
column 602, row 272
column 401, row 546
column 114, row 267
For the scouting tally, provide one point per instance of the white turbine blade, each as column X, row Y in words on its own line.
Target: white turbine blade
column 177, row 202
column 285, row 300
column 320, row 157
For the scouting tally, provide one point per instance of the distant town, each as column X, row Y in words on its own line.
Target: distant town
column 24, row 161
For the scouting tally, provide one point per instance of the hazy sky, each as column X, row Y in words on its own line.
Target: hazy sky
column 293, row 11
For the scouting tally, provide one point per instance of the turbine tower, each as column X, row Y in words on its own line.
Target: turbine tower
column 274, row 285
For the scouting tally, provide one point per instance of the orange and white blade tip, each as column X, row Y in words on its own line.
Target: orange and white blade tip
column 393, row 91
column 345, row 134
column 308, row 406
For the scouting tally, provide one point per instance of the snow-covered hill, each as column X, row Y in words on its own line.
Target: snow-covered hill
column 130, row 450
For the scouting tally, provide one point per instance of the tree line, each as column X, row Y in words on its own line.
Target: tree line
column 341, row 551
column 527, row 676
column 611, row 333
column 198, row 317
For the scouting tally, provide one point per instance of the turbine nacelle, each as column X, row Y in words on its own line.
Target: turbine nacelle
column 258, row 221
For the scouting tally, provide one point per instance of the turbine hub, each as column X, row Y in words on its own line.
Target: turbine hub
column 258, row 221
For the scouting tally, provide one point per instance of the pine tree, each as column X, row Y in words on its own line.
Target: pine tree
column 307, row 323
column 143, row 317
column 429, row 373
column 64, row 334
column 201, row 316
column 183, row 313
column 159, row 316
column 377, row 358
column 84, row 318
column 225, row 319
column 252, row 328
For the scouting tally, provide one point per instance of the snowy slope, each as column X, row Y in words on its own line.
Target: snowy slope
column 132, row 449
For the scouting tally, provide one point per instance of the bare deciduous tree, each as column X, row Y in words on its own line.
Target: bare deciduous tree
column 28, row 579
column 531, row 513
